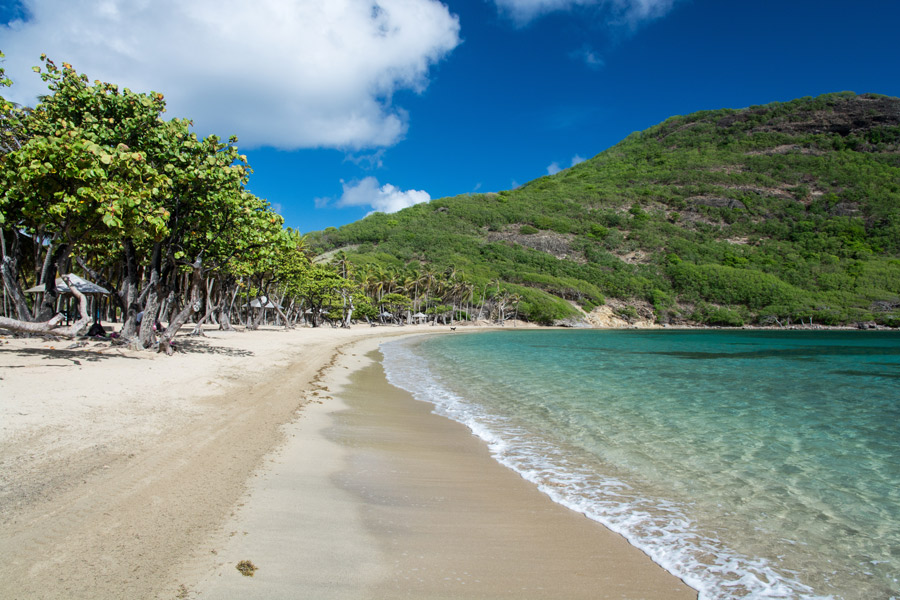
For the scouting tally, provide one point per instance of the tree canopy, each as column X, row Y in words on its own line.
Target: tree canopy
column 94, row 176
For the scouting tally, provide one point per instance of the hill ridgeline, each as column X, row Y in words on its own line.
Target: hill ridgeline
column 776, row 214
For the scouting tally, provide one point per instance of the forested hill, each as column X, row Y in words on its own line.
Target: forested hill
column 772, row 214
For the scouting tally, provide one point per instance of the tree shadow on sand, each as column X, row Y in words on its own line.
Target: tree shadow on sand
column 200, row 346
column 99, row 351
column 75, row 355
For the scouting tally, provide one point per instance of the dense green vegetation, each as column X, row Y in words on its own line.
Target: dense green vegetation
column 94, row 180
column 780, row 213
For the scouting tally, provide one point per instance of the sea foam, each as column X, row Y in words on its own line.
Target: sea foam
column 660, row 528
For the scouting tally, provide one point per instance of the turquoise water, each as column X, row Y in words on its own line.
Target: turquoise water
column 752, row 464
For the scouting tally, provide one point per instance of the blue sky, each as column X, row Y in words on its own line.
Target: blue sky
column 348, row 106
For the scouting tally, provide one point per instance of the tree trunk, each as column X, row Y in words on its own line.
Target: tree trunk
column 13, row 289
column 166, row 307
column 146, row 334
column 225, row 312
column 210, row 309
column 81, row 325
column 130, row 292
column 481, row 307
column 225, row 321
column 99, row 279
column 48, row 278
column 287, row 323
column 51, row 326
column 348, row 312
column 198, row 328
column 9, row 271
column 194, row 306
column 258, row 319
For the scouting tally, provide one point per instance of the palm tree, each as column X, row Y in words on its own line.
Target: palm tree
column 514, row 299
column 463, row 290
column 391, row 279
column 413, row 281
column 342, row 264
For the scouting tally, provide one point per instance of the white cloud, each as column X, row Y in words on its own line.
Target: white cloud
column 589, row 58
column 524, row 11
column 382, row 198
column 282, row 73
column 554, row 167
column 621, row 12
column 635, row 11
column 367, row 160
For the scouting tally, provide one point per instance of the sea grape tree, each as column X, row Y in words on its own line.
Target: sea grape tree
column 66, row 186
column 94, row 174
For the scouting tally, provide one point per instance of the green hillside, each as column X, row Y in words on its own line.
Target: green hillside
column 772, row 214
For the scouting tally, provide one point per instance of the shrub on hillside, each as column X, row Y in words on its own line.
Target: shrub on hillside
column 728, row 285
column 718, row 316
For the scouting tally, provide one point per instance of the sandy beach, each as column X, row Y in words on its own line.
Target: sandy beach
column 134, row 475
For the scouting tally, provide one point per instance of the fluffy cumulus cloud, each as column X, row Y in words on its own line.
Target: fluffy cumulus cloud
column 623, row 12
column 382, row 198
column 282, row 73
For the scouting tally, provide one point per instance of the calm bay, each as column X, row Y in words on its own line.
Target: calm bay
column 752, row 464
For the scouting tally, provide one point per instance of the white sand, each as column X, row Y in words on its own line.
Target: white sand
column 116, row 466
column 135, row 475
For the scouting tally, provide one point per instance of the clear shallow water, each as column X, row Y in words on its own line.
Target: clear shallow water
column 751, row 464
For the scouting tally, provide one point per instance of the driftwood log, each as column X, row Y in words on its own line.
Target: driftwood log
column 52, row 327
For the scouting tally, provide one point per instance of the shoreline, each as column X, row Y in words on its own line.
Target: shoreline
column 415, row 507
column 137, row 475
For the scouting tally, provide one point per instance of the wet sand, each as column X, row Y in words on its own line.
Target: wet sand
column 374, row 496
